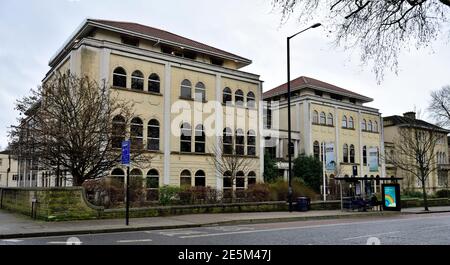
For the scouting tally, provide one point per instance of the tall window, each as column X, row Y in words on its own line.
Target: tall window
column 136, row 173
column 375, row 126
column 200, row 178
column 118, row 175
column 185, row 179
column 137, row 133
column 186, row 89
column 137, row 81
column 118, row 131
column 251, row 179
column 330, row 119
column 364, row 125
column 240, row 142
column 227, row 141
column 199, row 139
column 152, row 179
column 351, row 124
column 200, row 92
column 267, row 113
column 154, row 83
column 227, row 96
column 153, row 135
column 344, row 122
column 315, row 117
column 120, row 77
column 316, row 150
column 240, row 180
column 251, row 143
column 365, row 155
column 239, row 98
column 369, row 126
column 185, row 139
column 251, row 101
column 352, row 154
column 345, row 153
column 323, row 118
column 227, row 183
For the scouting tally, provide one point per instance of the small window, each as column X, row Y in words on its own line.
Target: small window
column 130, row 41
column 227, row 141
column 153, row 135
column 136, row 173
column 240, row 180
column 239, row 98
column 240, row 142
column 352, row 154
column 316, row 117
column 185, row 179
column 364, row 125
column 323, row 118
column 185, row 139
column 375, row 126
column 369, row 126
column 251, row 143
column 200, row 92
column 316, row 150
column 251, row 179
column 217, row 61
column 154, row 83
column 120, row 77
column 345, row 153
column 251, row 101
column 137, row 81
column 118, row 175
column 118, row 131
column 137, row 133
column 351, row 124
column 330, row 119
column 186, row 89
column 227, row 96
column 227, row 183
column 365, row 155
column 344, row 122
column 199, row 139
column 152, row 179
column 200, row 178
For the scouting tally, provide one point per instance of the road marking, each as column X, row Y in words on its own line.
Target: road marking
column 58, row 242
column 12, row 240
column 372, row 235
column 182, row 232
column 134, row 241
column 229, row 228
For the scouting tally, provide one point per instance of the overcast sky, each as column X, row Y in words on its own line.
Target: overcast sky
column 32, row 31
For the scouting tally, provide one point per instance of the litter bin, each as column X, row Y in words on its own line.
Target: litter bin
column 303, row 204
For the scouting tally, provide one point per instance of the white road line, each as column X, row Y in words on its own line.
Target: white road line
column 133, row 241
column 58, row 242
column 373, row 235
column 12, row 240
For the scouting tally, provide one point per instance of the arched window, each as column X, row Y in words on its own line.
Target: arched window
column 118, row 131
column 200, row 179
column 199, row 139
column 137, row 80
column 185, row 139
column 344, row 122
column 120, row 77
column 200, row 92
column 345, row 153
column 375, row 126
column 136, row 173
column 251, row 143
column 137, row 133
column 365, row 155
column 185, row 179
column 316, row 150
column 369, row 126
column 251, row 101
column 323, row 118
column 154, row 83
column 227, row 183
column 227, row 96
column 186, row 89
column 251, row 179
column 227, row 141
column 153, row 135
column 240, row 180
column 239, row 98
column 240, row 142
column 315, row 117
column 351, row 124
column 330, row 119
column 152, row 179
column 352, row 154
column 364, row 125
column 118, row 175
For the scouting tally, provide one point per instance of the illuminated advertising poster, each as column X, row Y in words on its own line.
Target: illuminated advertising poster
column 329, row 157
column 373, row 159
column 391, row 197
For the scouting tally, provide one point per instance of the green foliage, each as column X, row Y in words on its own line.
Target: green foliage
column 259, row 192
column 442, row 194
column 309, row 169
column 168, row 195
column 270, row 169
column 412, row 194
column 279, row 190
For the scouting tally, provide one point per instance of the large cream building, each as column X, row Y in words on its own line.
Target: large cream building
column 8, row 170
column 185, row 95
column 325, row 117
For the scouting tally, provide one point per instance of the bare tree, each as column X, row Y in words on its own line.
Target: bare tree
column 414, row 151
column 67, row 124
column 440, row 106
column 381, row 29
column 228, row 162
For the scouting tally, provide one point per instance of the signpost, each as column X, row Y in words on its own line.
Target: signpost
column 126, row 162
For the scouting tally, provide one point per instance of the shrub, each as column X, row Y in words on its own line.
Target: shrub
column 259, row 192
column 279, row 190
column 169, row 195
column 412, row 194
column 442, row 194
column 309, row 169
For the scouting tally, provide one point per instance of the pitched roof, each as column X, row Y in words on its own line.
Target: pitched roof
column 167, row 36
column 402, row 120
column 304, row 81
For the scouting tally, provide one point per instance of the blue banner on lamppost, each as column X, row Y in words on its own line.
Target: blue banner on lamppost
column 126, row 153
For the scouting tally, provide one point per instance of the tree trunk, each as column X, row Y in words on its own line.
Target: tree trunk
column 425, row 200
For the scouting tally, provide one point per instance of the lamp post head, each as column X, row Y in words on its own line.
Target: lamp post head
column 316, row 25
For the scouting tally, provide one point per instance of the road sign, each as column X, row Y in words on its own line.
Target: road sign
column 126, row 153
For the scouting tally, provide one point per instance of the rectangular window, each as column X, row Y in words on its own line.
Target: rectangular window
column 130, row 41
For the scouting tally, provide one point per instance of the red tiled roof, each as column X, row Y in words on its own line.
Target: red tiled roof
column 167, row 36
column 304, row 81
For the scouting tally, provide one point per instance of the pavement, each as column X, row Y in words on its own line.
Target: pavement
column 19, row 226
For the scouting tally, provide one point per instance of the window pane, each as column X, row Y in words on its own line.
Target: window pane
column 240, row 183
column 154, row 83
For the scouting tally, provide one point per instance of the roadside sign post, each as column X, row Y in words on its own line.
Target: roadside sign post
column 126, row 162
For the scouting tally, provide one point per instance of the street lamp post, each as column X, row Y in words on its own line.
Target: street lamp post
column 290, row 192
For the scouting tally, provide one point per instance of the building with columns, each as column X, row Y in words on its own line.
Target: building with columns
column 186, row 94
column 328, row 122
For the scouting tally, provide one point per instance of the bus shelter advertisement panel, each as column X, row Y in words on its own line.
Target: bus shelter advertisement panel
column 391, row 197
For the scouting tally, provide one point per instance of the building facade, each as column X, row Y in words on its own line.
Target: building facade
column 8, row 170
column 186, row 95
column 328, row 122
column 439, row 178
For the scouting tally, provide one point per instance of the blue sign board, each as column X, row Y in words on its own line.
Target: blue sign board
column 126, row 153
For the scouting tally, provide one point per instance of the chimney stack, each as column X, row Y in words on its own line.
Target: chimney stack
column 410, row 115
